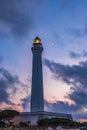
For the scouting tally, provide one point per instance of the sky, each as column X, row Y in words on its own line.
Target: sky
column 62, row 27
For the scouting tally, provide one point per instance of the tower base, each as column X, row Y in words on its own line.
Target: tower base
column 33, row 117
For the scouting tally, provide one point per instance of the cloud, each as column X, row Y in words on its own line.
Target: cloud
column 1, row 59
column 6, row 79
column 75, row 74
column 9, row 78
column 78, row 96
column 78, row 32
column 76, row 55
column 3, row 93
column 12, row 91
column 62, row 107
column 76, row 77
column 16, row 17
column 26, row 103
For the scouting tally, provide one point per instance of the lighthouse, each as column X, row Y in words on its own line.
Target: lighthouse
column 37, row 98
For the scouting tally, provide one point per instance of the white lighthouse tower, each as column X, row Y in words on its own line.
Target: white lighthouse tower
column 37, row 98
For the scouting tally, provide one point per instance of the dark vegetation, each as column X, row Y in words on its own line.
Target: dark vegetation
column 2, row 124
column 8, row 114
column 65, row 123
column 24, row 124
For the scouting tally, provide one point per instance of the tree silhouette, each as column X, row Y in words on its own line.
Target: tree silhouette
column 8, row 114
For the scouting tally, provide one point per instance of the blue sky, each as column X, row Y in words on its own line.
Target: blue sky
column 62, row 27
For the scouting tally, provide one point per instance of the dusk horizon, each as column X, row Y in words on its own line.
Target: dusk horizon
column 62, row 28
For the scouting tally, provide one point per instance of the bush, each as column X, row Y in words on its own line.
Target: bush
column 2, row 124
column 57, row 122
